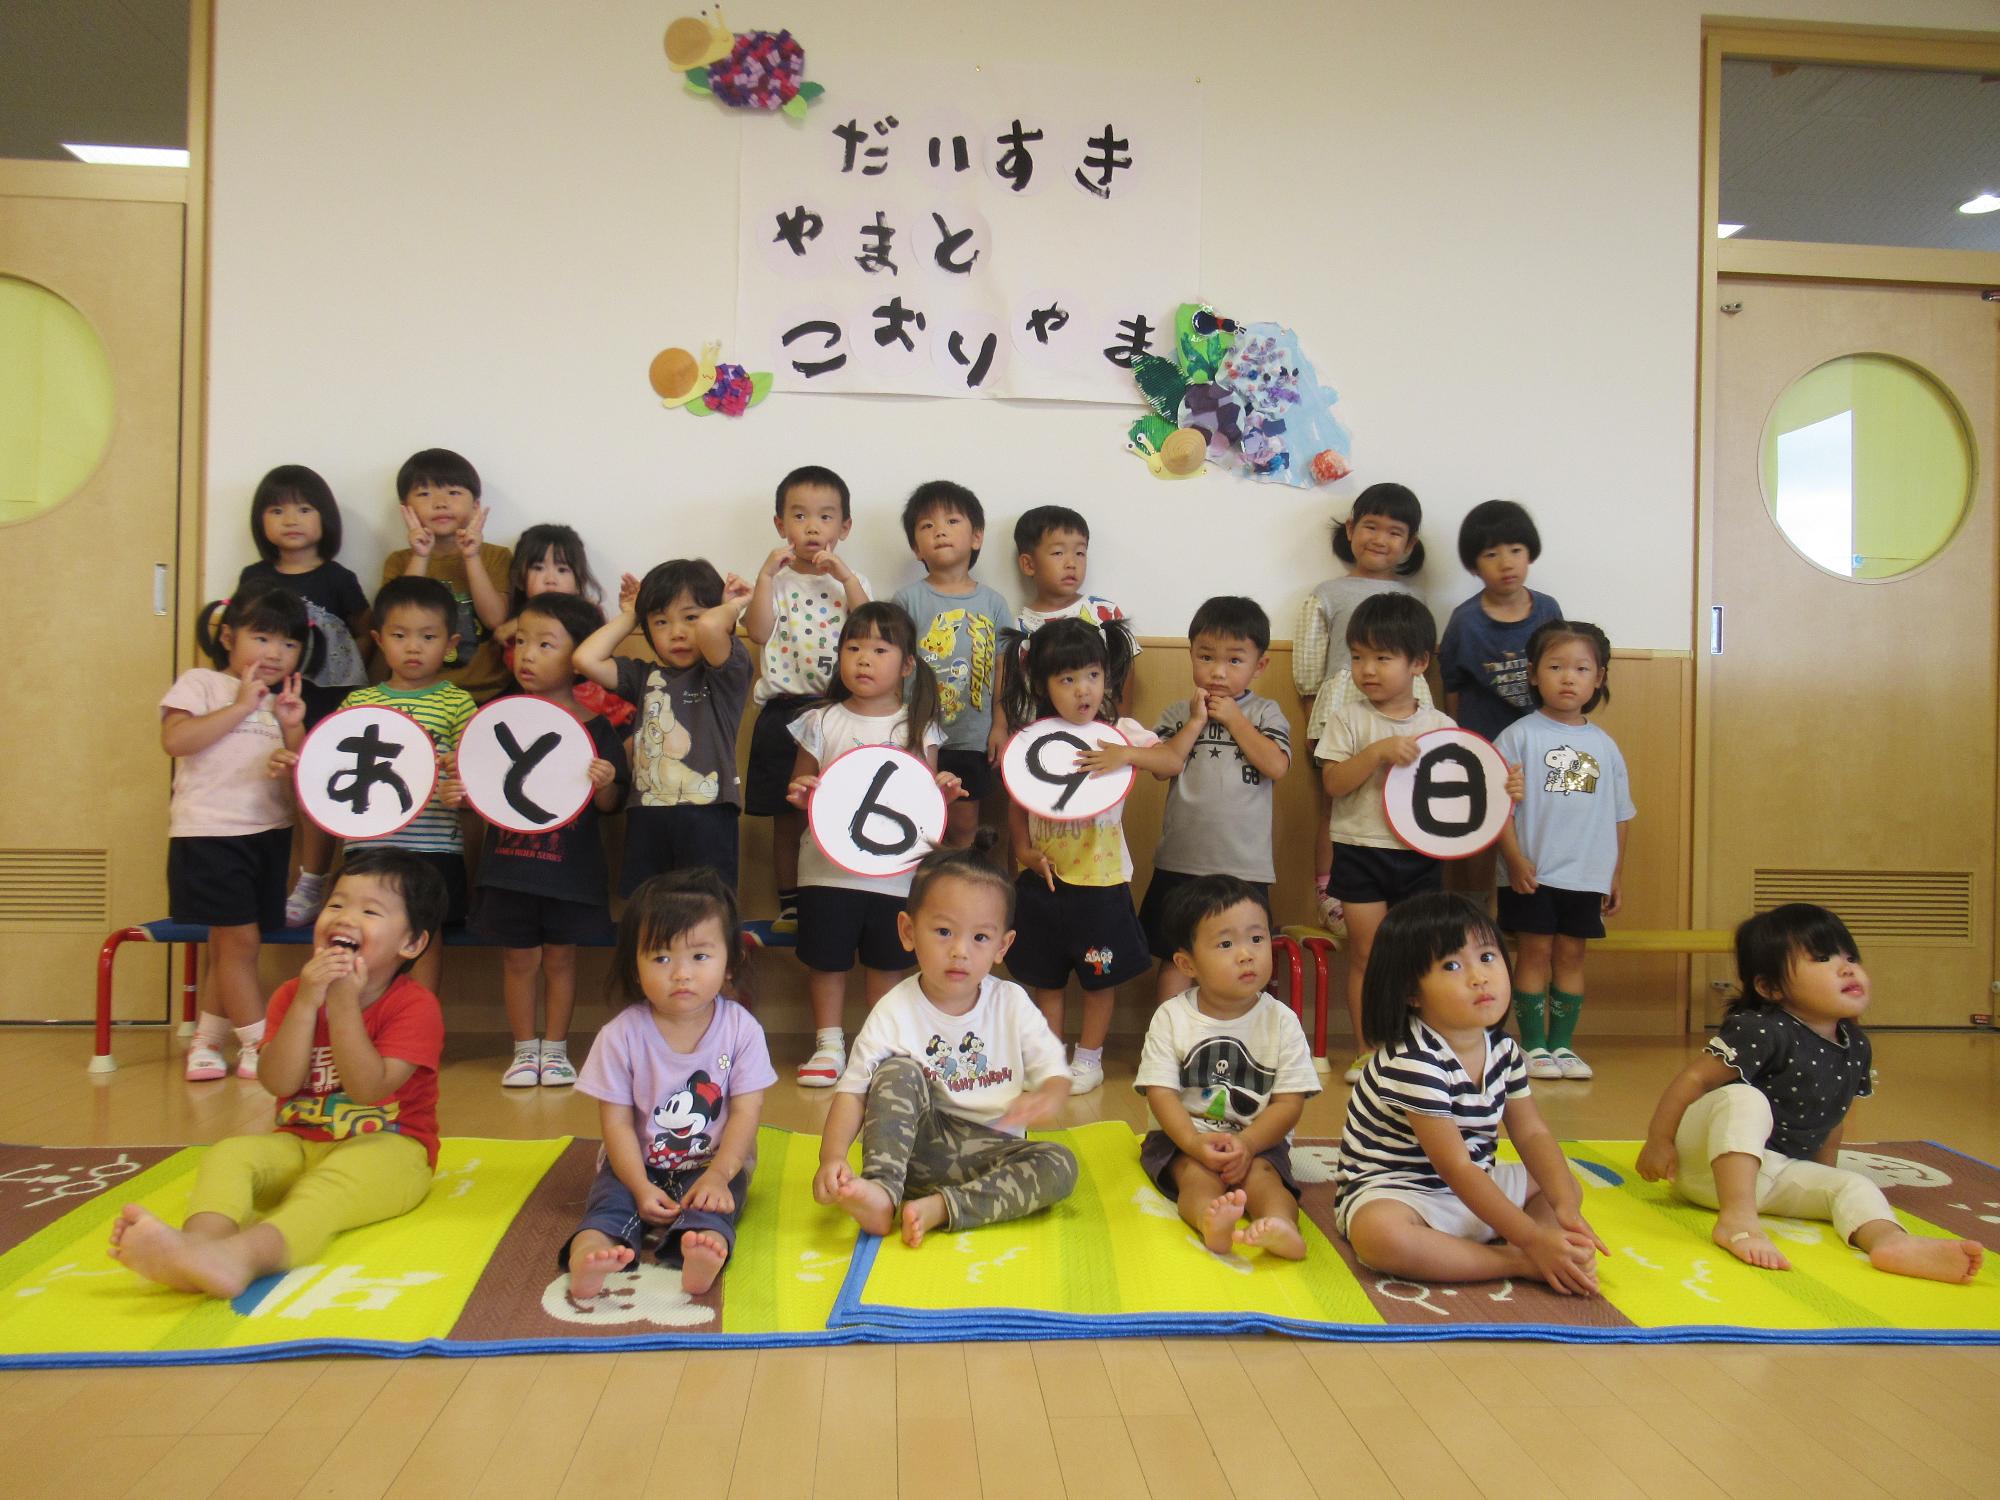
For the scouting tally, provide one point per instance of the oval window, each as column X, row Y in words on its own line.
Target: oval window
column 56, row 402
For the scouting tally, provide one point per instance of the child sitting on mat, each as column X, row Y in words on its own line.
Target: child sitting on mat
column 950, row 1068
column 1753, row 1123
column 679, row 1077
column 351, row 1052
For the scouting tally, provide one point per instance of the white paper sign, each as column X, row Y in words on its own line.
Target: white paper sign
column 365, row 772
column 876, row 811
column 526, row 764
column 1451, row 802
column 1039, row 767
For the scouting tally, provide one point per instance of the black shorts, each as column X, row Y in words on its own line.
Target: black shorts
column 1156, row 1159
column 230, row 880
column 1386, row 875
column 973, row 770
column 1090, row 930
column 659, row 839
column 451, row 870
column 1153, row 910
column 1553, row 911
column 321, row 701
column 521, row 919
column 773, row 753
column 837, row 924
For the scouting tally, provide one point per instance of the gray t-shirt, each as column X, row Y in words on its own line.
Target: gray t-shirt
column 684, row 738
column 958, row 636
column 1577, row 795
column 1218, row 814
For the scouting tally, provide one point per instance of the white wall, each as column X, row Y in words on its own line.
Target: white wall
column 471, row 225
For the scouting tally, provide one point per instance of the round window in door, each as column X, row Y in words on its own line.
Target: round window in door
column 56, row 402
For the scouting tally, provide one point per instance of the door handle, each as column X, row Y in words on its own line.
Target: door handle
column 159, row 588
column 1715, row 630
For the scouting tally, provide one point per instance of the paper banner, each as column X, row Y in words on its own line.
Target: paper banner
column 526, row 764
column 365, row 772
column 876, row 811
column 1039, row 767
column 1451, row 802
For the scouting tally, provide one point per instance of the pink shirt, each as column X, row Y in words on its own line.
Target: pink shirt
column 224, row 790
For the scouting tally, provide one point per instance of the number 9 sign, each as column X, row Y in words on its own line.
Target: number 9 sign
column 1040, row 769
column 876, row 811
column 1451, row 802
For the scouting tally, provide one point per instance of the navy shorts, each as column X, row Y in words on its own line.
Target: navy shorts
column 773, row 753
column 609, row 1210
column 688, row 837
column 321, row 701
column 1090, row 930
column 1553, row 911
column 451, row 870
column 1156, row 1159
column 520, row 919
column 1391, row 876
column 230, row 880
column 1159, row 896
column 836, row 924
column 972, row 768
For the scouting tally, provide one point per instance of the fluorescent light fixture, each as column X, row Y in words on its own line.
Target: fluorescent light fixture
column 1724, row 231
column 1985, row 203
column 129, row 156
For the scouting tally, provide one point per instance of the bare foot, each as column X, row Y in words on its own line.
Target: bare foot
column 920, row 1217
column 702, row 1255
column 868, row 1202
column 1274, row 1236
column 1934, row 1260
column 1218, row 1224
column 129, row 1216
column 588, row 1270
column 159, row 1252
column 1745, row 1239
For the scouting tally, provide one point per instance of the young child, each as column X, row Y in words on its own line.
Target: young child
column 679, row 1076
column 1483, row 658
column 540, row 894
column 1420, row 1192
column 1218, row 814
column 550, row 559
column 958, row 633
column 439, row 493
column 1378, row 543
column 804, row 591
column 685, row 790
column 949, row 1070
column 1226, row 1071
column 295, row 527
column 351, row 1055
column 1564, row 848
column 1052, row 550
column 843, row 915
column 230, row 823
column 1753, row 1124
column 1390, row 638
column 1074, row 894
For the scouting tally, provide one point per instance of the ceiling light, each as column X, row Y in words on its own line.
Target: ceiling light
column 1724, row 231
column 1985, row 203
column 129, row 156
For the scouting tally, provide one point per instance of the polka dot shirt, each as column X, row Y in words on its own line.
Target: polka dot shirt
column 1809, row 1080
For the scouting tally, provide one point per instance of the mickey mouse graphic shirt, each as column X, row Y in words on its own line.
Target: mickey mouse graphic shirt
column 679, row 1100
column 1226, row 1071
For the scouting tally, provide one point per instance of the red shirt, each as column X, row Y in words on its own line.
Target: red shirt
column 404, row 1024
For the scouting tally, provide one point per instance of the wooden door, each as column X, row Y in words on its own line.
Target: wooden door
column 83, row 804
column 1853, row 726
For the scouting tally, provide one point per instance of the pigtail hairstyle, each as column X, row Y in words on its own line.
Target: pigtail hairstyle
column 892, row 623
column 1415, row 935
column 1394, row 502
column 1551, row 634
column 660, row 910
column 1063, row 646
column 266, row 607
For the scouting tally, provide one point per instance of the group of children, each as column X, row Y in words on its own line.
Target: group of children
column 953, row 1065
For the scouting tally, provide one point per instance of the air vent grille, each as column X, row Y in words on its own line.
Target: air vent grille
column 55, row 888
column 1893, row 906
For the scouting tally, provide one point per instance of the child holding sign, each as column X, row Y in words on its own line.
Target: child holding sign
column 841, row 914
column 1565, row 848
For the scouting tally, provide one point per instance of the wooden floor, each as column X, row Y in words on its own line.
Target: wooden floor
column 1261, row 1418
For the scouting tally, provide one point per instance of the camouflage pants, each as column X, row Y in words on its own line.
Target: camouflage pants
column 912, row 1147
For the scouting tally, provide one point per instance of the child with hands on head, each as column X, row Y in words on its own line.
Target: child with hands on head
column 679, row 1076
column 230, row 824
column 951, row 1067
column 1227, row 1072
column 1753, row 1124
column 351, row 1055
column 1420, row 1191
column 550, row 559
column 439, row 494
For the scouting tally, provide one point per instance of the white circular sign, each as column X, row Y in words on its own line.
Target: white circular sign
column 1451, row 801
column 876, row 811
column 526, row 764
column 1039, row 767
column 365, row 772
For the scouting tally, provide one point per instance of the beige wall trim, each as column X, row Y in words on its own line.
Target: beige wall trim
column 189, row 567
column 1737, row 257
column 76, row 179
column 1864, row 46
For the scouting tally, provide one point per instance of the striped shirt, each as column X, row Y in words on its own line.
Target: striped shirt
column 442, row 709
column 1422, row 1075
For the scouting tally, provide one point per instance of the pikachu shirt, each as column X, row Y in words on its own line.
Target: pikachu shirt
column 1577, row 795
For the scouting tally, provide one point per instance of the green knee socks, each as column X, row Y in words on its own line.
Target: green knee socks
column 1564, row 1008
column 1528, row 1016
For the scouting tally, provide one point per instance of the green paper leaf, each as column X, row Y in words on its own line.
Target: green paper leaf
column 794, row 107
column 810, row 91
column 695, row 80
column 760, row 386
column 1161, row 382
column 698, row 407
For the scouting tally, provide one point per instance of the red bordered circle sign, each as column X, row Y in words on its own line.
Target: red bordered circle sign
column 365, row 773
column 1040, row 771
column 1451, row 802
column 877, row 811
column 525, row 763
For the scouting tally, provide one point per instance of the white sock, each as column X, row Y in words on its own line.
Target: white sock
column 555, row 1049
column 830, row 1039
column 530, row 1048
column 251, row 1035
column 211, row 1030
column 308, row 884
column 1090, row 1057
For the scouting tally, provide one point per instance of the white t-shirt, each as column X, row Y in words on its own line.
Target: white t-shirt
column 1092, row 609
column 807, row 612
column 1358, row 818
column 226, row 789
column 980, row 1062
column 1226, row 1071
column 826, row 734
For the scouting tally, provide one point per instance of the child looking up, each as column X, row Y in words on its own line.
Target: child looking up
column 1483, row 658
column 550, row 559
column 958, row 633
column 679, row 1076
column 803, row 594
column 351, row 1055
column 951, row 1067
column 685, row 791
column 1753, row 1124
column 439, row 493
column 1227, row 1072
column 1218, row 814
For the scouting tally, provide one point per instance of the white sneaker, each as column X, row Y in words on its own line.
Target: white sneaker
column 557, row 1070
column 303, row 904
column 1569, row 1065
column 205, row 1062
column 823, row 1069
column 1353, row 1073
column 1542, row 1064
column 1085, row 1077
column 246, row 1063
column 525, row 1071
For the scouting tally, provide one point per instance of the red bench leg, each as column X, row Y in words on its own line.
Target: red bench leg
column 102, row 1061
column 1285, row 948
column 1320, row 948
column 190, row 986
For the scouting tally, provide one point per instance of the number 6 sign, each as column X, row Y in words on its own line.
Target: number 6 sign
column 1040, row 769
column 876, row 811
column 1451, row 802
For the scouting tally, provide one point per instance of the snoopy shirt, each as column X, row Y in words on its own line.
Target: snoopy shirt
column 1225, row 1070
column 679, row 1100
column 684, row 739
column 1577, row 795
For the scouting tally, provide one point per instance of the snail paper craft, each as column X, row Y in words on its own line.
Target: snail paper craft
column 526, row 765
column 744, row 70
column 701, row 384
column 876, row 811
column 1451, row 802
column 1039, row 767
column 365, row 772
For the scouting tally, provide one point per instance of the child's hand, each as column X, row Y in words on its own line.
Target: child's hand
column 421, row 540
column 250, row 693
column 1106, row 757
column 1562, row 1263
column 282, row 763
column 1574, row 1222
column 320, row 971
column 1224, row 710
column 1398, row 750
column 471, row 534
column 653, row 1204
column 602, row 773
column 710, row 1192
column 996, row 743
column 735, row 590
column 1616, row 898
column 1223, row 1155
column 1521, row 876
column 1038, row 862
column 1029, row 1110
column 628, row 593
column 290, row 708
column 831, row 1177
column 1659, row 1161
column 450, row 791
column 834, row 567
column 777, row 558
column 799, row 793
column 950, row 785
column 1198, row 711
column 1517, row 783
column 348, row 986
